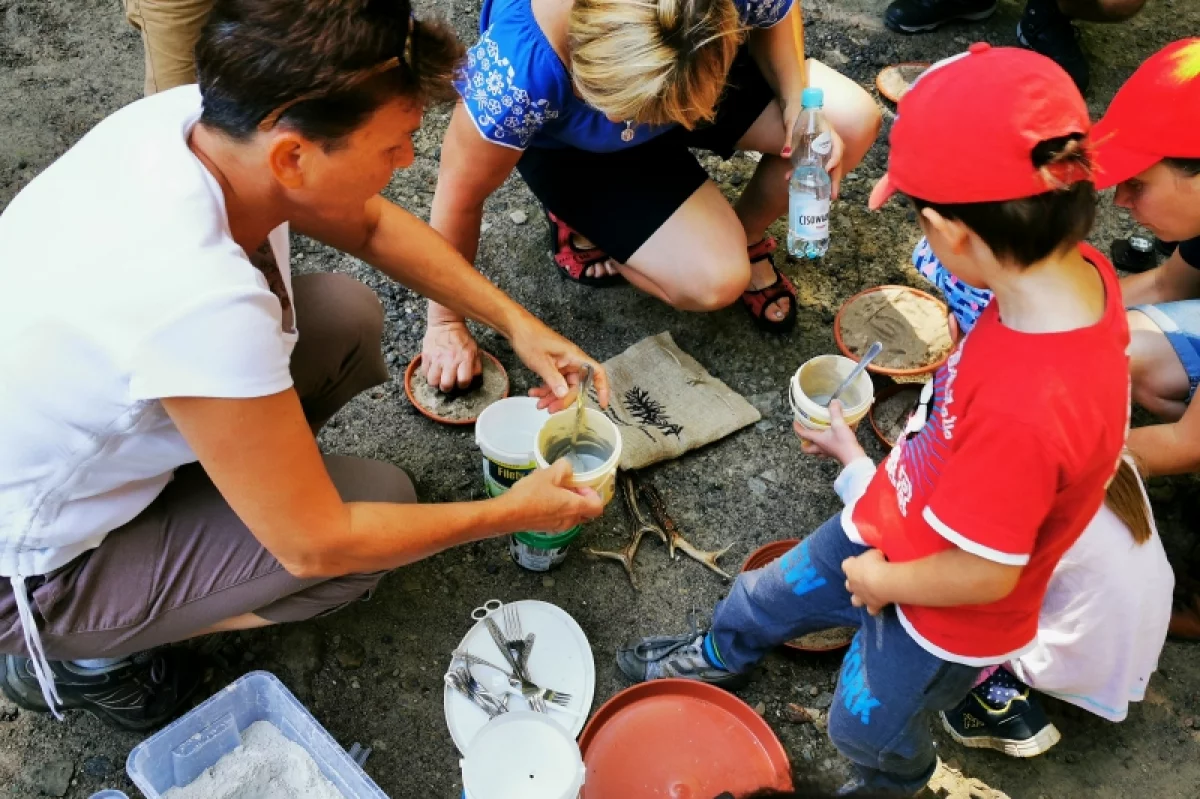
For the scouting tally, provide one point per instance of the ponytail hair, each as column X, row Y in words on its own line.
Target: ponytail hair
column 1126, row 498
column 653, row 62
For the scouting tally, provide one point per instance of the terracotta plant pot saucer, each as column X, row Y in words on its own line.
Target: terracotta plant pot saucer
column 411, row 371
column 820, row 641
column 894, row 390
column 893, row 372
column 894, row 82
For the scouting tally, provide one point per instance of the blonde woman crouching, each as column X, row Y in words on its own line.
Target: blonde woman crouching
column 597, row 104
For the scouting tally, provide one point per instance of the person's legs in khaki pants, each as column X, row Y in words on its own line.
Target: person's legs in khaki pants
column 169, row 29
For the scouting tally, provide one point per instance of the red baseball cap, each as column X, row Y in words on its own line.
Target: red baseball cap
column 1155, row 115
column 966, row 130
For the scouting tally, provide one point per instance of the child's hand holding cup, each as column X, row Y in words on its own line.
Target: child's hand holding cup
column 836, row 441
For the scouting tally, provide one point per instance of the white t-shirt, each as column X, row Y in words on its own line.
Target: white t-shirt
column 1103, row 620
column 119, row 285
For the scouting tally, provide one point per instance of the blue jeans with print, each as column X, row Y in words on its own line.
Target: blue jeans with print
column 888, row 684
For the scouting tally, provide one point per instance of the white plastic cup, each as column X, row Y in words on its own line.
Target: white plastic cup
column 819, row 377
column 596, row 425
column 522, row 755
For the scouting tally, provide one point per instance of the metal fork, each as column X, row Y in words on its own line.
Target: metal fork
column 559, row 698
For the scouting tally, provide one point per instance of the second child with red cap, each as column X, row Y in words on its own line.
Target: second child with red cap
column 943, row 559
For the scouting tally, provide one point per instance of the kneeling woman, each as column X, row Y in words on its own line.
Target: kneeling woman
column 597, row 104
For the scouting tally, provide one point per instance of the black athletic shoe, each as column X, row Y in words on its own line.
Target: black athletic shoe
column 1045, row 29
column 918, row 16
column 139, row 693
column 1018, row 728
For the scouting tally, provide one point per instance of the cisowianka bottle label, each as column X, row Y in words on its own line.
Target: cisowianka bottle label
column 810, row 218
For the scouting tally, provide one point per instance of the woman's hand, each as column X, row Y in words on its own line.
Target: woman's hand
column 558, row 362
column 449, row 354
column 863, row 580
column 791, row 109
column 836, row 441
column 544, row 502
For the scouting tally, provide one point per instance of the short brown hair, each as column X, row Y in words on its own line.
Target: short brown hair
column 1028, row 230
column 321, row 67
column 654, row 62
column 1188, row 166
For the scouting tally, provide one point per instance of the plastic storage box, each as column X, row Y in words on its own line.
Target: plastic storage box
column 177, row 754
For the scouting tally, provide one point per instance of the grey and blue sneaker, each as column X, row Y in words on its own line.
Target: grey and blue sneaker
column 684, row 656
column 1002, row 713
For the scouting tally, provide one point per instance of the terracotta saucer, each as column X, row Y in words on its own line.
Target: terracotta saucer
column 429, row 413
column 680, row 738
column 874, row 368
column 894, row 82
column 886, row 394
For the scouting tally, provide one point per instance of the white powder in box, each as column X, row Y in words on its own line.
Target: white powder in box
column 266, row 766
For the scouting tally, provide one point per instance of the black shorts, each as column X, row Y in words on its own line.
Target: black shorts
column 619, row 199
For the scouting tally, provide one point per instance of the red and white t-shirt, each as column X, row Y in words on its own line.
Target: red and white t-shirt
column 1022, row 437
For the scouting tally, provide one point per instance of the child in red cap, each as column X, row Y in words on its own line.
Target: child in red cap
column 943, row 560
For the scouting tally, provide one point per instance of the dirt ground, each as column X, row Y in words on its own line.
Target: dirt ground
column 373, row 673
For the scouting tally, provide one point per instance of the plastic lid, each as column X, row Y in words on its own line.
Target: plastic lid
column 718, row 744
column 522, row 755
column 812, row 97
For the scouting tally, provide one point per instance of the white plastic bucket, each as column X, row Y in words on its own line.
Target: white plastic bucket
column 522, row 755
column 596, row 425
column 819, row 377
column 506, row 433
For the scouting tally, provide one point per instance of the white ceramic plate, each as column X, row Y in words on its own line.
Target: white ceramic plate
column 561, row 659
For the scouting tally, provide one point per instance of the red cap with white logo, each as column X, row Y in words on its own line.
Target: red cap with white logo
column 965, row 132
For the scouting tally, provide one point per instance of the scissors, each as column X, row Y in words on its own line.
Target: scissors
column 487, row 609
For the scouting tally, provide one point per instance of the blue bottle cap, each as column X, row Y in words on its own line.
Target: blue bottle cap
column 812, row 97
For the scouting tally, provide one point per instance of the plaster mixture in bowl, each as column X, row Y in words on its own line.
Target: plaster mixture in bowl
column 913, row 328
column 266, row 766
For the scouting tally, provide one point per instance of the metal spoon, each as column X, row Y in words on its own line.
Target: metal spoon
column 581, row 403
column 872, row 353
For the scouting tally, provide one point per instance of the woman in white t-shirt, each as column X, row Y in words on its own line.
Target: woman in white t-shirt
column 163, row 374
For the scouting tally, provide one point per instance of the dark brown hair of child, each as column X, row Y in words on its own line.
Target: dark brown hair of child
column 1188, row 166
column 320, row 67
column 1030, row 229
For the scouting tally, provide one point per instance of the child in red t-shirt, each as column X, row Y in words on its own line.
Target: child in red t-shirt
column 944, row 560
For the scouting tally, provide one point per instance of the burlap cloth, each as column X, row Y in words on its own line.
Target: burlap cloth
column 665, row 403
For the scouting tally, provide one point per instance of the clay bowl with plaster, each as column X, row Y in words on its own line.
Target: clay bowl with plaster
column 415, row 363
column 874, row 367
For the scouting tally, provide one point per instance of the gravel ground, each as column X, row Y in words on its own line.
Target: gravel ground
column 373, row 673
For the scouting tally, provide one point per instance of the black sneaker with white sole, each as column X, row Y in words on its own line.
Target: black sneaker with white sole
column 1016, row 726
column 1045, row 29
column 919, row 16
column 139, row 693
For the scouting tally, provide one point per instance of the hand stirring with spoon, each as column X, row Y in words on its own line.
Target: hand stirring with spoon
column 872, row 353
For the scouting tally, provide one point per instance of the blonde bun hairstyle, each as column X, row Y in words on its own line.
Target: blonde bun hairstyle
column 654, row 62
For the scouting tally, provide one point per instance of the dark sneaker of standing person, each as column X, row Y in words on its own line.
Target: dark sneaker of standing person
column 136, row 693
column 689, row 656
column 1002, row 713
column 1045, row 29
column 918, row 16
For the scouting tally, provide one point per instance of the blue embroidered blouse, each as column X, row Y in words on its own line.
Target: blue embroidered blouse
column 519, row 94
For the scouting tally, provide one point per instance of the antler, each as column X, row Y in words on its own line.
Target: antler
column 675, row 540
column 638, row 524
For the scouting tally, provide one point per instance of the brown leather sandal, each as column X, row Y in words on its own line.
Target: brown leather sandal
column 758, row 300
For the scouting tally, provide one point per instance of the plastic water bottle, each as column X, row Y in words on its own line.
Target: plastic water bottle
column 811, row 188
